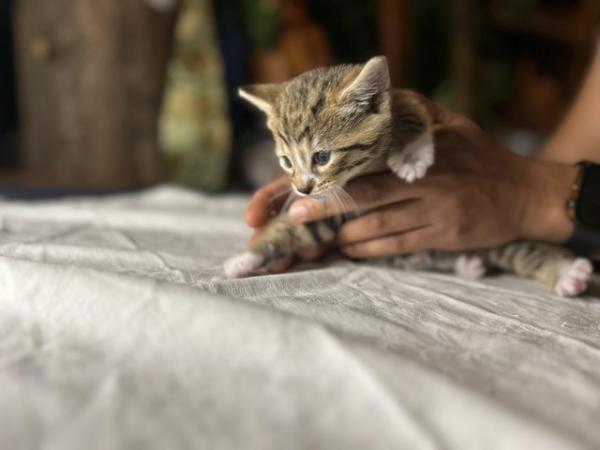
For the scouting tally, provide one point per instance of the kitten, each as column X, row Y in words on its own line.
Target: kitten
column 331, row 125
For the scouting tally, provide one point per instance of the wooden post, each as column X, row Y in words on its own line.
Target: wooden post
column 395, row 37
column 91, row 76
column 463, row 54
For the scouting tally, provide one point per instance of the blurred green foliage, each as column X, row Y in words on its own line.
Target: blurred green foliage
column 519, row 7
column 262, row 21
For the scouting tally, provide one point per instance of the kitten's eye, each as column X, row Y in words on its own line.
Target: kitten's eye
column 321, row 158
column 285, row 162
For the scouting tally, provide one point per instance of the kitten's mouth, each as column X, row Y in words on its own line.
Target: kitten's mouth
column 322, row 196
column 312, row 194
column 319, row 195
column 301, row 194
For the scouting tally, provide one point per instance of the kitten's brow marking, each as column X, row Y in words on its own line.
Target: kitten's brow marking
column 305, row 133
column 343, row 166
column 316, row 108
column 354, row 147
column 359, row 162
column 282, row 137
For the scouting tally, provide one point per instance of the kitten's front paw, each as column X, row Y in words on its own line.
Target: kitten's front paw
column 243, row 265
column 406, row 170
column 412, row 162
column 470, row 267
column 574, row 277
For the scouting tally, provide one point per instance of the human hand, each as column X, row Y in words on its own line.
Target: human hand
column 477, row 195
column 264, row 205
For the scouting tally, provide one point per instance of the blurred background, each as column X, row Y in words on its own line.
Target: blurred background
column 107, row 95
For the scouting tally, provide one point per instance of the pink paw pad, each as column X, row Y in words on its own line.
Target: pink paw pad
column 243, row 265
column 470, row 267
column 574, row 277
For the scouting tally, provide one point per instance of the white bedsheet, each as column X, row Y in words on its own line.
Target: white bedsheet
column 118, row 331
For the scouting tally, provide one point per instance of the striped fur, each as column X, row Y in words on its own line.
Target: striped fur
column 352, row 112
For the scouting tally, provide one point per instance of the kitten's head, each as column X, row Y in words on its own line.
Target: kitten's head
column 329, row 124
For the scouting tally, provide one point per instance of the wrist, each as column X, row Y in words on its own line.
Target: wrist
column 550, row 187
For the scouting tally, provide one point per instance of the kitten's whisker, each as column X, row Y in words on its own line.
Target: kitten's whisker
column 331, row 200
column 350, row 206
column 280, row 194
column 351, row 202
column 335, row 203
column 289, row 200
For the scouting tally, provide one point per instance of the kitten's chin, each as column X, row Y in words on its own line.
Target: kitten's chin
column 320, row 196
column 327, row 193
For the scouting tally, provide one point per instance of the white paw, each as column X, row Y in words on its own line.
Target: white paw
column 243, row 265
column 407, row 171
column 470, row 267
column 574, row 277
column 413, row 161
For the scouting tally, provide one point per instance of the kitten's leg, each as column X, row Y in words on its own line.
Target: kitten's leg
column 242, row 265
column 470, row 266
column 415, row 261
column 574, row 276
column 465, row 265
column 282, row 238
column 553, row 266
column 412, row 161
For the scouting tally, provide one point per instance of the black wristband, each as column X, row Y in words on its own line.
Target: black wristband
column 584, row 209
column 584, row 240
column 587, row 209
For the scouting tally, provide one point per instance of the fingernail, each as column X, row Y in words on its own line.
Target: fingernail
column 298, row 212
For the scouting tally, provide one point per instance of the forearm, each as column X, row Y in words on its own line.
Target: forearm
column 545, row 216
column 578, row 138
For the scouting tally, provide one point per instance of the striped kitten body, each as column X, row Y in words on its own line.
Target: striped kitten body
column 331, row 125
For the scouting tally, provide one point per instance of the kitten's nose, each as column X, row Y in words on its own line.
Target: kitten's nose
column 306, row 190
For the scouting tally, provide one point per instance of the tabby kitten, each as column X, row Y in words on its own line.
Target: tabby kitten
column 331, row 125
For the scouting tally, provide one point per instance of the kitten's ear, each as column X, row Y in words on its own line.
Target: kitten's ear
column 370, row 86
column 260, row 95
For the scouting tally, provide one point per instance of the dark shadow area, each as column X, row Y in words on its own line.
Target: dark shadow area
column 9, row 148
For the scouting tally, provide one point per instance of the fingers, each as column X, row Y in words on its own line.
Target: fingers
column 307, row 254
column 266, row 201
column 368, row 192
column 397, row 244
column 311, row 253
column 280, row 266
column 256, row 234
column 391, row 219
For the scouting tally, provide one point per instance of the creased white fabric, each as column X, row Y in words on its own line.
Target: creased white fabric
column 118, row 331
